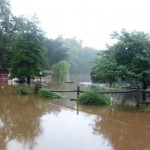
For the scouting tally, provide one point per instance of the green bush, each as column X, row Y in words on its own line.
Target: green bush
column 37, row 85
column 48, row 94
column 23, row 90
column 93, row 98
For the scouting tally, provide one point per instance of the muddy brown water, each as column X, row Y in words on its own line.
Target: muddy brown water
column 33, row 123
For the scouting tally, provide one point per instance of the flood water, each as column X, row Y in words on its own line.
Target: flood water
column 33, row 123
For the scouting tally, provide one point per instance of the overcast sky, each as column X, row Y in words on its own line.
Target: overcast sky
column 92, row 21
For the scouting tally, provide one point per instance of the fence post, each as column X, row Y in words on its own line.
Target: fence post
column 137, row 101
column 78, row 91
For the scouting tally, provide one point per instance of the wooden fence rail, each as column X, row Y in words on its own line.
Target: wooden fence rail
column 111, row 92
column 102, row 92
column 78, row 91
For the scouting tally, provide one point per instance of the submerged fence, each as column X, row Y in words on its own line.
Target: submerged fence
column 138, row 91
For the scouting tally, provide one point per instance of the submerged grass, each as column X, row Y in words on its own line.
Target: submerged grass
column 48, row 94
column 93, row 98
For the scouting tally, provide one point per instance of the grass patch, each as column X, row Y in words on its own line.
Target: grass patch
column 48, row 94
column 93, row 98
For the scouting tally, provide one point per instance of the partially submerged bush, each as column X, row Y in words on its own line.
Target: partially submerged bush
column 93, row 98
column 48, row 94
column 23, row 90
column 37, row 85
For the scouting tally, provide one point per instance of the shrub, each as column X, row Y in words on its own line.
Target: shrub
column 37, row 85
column 23, row 90
column 93, row 98
column 48, row 94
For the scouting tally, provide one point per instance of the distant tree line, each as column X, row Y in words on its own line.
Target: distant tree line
column 80, row 58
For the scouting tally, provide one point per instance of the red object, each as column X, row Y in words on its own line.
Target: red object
column 3, row 75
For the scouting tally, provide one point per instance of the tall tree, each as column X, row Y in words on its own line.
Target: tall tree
column 5, row 35
column 60, row 71
column 28, row 52
column 5, row 54
column 5, row 16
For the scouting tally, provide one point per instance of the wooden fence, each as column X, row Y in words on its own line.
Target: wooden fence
column 138, row 91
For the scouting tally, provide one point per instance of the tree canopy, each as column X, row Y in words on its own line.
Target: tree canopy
column 56, row 51
column 128, row 59
column 28, row 56
column 5, row 35
column 60, row 71
column 80, row 58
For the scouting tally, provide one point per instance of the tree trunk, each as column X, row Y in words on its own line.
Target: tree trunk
column 110, row 84
column 28, row 80
column 145, row 85
column 36, row 89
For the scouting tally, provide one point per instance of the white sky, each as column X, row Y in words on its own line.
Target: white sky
column 92, row 21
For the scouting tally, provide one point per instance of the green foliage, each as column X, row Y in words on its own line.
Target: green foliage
column 93, row 98
column 23, row 90
column 5, row 17
column 5, row 54
column 60, row 71
column 28, row 55
column 80, row 58
column 128, row 59
column 37, row 85
column 56, row 51
column 48, row 94
column 105, row 70
column 5, row 35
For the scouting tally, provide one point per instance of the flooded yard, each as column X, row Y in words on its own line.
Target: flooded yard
column 33, row 123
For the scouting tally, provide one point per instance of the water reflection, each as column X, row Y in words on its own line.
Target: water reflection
column 70, row 132
column 20, row 118
column 124, row 99
column 3, row 82
column 80, row 78
column 125, row 130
